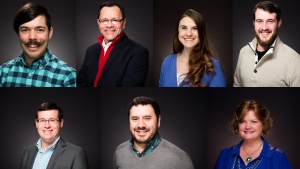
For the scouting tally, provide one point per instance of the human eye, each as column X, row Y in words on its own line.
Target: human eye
column 42, row 121
column 271, row 21
column 52, row 120
column 258, row 21
column 134, row 118
column 104, row 21
column 23, row 30
column 40, row 29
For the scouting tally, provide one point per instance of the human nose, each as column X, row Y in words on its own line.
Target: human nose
column 47, row 123
column 189, row 32
column 141, row 123
column 32, row 34
column 248, row 126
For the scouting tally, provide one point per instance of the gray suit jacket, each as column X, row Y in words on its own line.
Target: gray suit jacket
column 65, row 156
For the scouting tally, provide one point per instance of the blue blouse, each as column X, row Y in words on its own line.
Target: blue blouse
column 168, row 77
column 269, row 158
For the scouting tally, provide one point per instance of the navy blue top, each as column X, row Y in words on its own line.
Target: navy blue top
column 168, row 74
column 269, row 158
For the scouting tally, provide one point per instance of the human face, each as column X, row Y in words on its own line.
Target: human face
column 34, row 37
column 47, row 131
column 188, row 32
column 111, row 31
column 265, row 28
column 143, row 123
column 251, row 127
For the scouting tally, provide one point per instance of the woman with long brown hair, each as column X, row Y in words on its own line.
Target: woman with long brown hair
column 192, row 63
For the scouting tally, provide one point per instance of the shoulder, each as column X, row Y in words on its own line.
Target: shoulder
column 122, row 147
column 95, row 46
column 60, row 64
column 173, row 149
column 275, row 150
column 131, row 43
column 10, row 63
column 286, row 50
column 216, row 62
column 170, row 58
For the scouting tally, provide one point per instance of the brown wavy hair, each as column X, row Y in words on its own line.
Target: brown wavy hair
column 261, row 112
column 199, row 60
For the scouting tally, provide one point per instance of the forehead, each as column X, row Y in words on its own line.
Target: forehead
column 250, row 114
column 262, row 14
column 110, row 12
column 142, row 110
column 48, row 114
column 187, row 21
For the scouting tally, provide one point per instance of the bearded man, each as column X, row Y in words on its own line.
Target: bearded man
column 147, row 149
column 267, row 61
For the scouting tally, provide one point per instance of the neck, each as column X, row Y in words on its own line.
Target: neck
column 185, row 53
column 262, row 48
column 250, row 144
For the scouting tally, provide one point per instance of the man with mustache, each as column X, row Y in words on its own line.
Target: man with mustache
column 115, row 60
column 147, row 149
column 36, row 66
column 267, row 61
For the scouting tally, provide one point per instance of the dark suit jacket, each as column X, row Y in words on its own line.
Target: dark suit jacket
column 127, row 65
column 65, row 156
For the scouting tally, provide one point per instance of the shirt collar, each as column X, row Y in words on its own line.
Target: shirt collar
column 264, row 153
column 150, row 146
column 52, row 147
column 41, row 62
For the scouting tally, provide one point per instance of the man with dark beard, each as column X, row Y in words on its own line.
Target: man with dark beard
column 147, row 149
column 36, row 66
column 267, row 61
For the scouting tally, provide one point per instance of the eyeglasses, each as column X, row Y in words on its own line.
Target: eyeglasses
column 51, row 121
column 113, row 21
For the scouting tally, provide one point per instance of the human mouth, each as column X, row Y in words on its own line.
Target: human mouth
column 141, row 132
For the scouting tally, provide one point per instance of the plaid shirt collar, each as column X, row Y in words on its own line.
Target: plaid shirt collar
column 40, row 63
column 150, row 146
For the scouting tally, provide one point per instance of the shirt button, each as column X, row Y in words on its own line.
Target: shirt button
column 255, row 71
column 30, row 74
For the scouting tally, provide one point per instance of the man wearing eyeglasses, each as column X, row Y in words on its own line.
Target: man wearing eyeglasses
column 115, row 60
column 51, row 151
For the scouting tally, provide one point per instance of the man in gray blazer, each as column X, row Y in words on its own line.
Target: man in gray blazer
column 51, row 151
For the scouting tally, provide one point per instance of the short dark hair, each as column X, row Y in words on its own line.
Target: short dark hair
column 262, row 113
column 268, row 6
column 144, row 100
column 50, row 106
column 30, row 11
column 111, row 4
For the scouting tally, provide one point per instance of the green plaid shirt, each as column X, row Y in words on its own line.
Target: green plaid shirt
column 48, row 71
column 150, row 146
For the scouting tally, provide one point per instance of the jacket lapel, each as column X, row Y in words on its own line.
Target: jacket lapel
column 115, row 53
column 58, row 151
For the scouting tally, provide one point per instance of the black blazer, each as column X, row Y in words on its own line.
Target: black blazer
column 65, row 155
column 127, row 65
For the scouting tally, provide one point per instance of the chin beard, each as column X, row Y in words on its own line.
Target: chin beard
column 268, row 42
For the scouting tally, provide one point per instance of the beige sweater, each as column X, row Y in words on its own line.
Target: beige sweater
column 279, row 67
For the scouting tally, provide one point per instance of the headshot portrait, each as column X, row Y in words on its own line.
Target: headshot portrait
column 130, row 56
column 35, row 116
column 259, row 45
column 62, row 44
column 188, row 136
column 276, row 111
column 219, row 35
column 31, row 60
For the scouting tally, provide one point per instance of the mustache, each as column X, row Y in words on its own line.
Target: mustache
column 33, row 42
column 141, row 128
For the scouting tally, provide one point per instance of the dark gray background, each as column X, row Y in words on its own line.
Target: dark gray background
column 18, row 107
column 243, row 29
column 139, row 27
column 182, row 120
column 218, row 16
column 62, row 43
column 284, row 109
